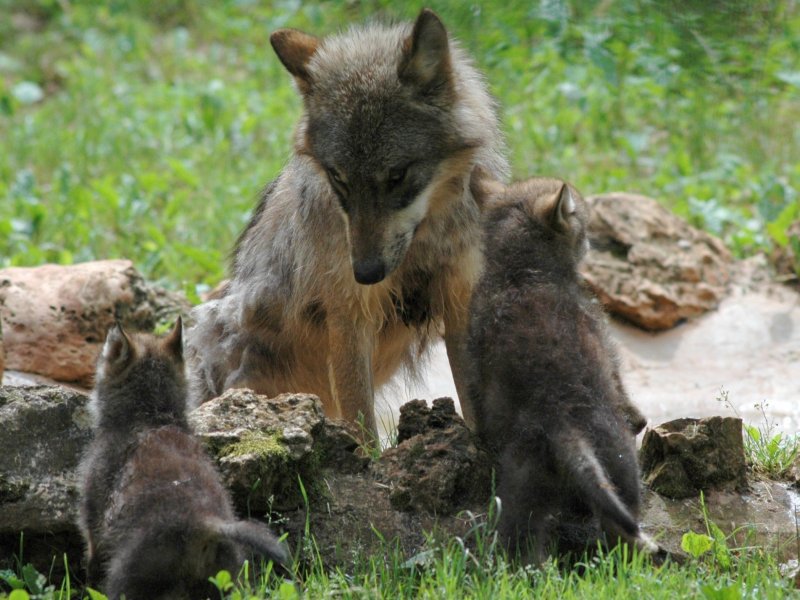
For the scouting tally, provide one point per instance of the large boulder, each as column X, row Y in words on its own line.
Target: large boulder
column 55, row 318
column 685, row 456
column 43, row 431
column 649, row 266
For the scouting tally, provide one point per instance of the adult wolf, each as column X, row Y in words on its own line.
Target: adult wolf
column 367, row 243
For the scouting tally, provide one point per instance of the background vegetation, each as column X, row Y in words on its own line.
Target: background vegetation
column 146, row 129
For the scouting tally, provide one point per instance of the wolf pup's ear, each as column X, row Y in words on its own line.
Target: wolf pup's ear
column 558, row 209
column 117, row 351
column 173, row 342
column 426, row 56
column 295, row 49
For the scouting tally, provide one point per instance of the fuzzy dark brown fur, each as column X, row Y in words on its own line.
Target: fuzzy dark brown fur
column 155, row 516
column 546, row 389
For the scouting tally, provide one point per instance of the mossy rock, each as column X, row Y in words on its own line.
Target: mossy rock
column 271, row 451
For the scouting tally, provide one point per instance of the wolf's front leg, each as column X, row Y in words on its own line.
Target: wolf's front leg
column 455, row 340
column 456, row 319
column 350, row 372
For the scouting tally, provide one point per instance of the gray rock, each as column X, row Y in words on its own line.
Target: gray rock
column 265, row 446
column 682, row 457
column 649, row 266
column 44, row 431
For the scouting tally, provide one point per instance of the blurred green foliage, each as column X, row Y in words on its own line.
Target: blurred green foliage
column 146, row 129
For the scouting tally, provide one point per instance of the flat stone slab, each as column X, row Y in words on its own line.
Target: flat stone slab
column 762, row 515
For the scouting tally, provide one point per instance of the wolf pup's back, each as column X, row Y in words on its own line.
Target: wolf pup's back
column 155, row 517
column 367, row 243
column 545, row 384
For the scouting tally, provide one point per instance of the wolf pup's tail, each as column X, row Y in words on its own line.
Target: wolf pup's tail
column 255, row 537
column 589, row 475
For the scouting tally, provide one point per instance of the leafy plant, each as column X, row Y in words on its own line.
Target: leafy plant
column 145, row 130
column 768, row 450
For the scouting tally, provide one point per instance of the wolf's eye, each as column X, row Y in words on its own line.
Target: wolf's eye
column 335, row 175
column 396, row 176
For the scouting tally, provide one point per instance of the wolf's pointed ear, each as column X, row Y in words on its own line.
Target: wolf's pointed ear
column 426, row 55
column 173, row 342
column 295, row 49
column 562, row 208
column 117, row 351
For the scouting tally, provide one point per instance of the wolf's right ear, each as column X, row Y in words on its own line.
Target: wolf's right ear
column 117, row 351
column 426, row 56
column 295, row 49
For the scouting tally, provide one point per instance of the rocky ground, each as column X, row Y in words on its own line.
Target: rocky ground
column 287, row 464
column 648, row 267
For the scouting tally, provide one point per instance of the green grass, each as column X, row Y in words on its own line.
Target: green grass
column 146, row 129
column 449, row 571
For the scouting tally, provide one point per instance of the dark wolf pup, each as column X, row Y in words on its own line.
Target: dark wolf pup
column 156, row 519
column 545, row 386
column 368, row 240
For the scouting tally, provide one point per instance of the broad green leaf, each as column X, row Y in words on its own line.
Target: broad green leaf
column 11, row 580
column 696, row 544
column 287, row 591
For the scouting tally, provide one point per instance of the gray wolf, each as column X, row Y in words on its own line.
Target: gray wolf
column 155, row 516
column 366, row 245
column 545, row 385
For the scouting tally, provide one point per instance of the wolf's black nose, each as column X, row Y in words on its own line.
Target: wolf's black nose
column 369, row 271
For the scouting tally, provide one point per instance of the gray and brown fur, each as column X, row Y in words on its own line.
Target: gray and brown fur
column 545, row 383
column 367, row 243
column 155, row 517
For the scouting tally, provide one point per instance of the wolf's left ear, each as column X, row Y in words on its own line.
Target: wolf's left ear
column 560, row 208
column 173, row 342
column 426, row 55
column 295, row 49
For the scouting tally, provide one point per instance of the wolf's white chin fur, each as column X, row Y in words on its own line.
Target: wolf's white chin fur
column 403, row 224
